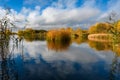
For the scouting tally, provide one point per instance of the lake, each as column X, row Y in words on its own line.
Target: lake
column 42, row 60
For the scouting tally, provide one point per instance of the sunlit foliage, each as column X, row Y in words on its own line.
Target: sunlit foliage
column 61, row 34
column 69, row 29
column 100, row 28
column 118, row 25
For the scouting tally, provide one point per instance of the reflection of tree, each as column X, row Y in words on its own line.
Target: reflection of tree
column 100, row 45
column 115, row 69
column 79, row 39
column 35, row 37
column 8, row 71
column 58, row 45
column 115, row 66
column 21, row 46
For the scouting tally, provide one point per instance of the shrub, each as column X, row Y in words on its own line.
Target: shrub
column 58, row 35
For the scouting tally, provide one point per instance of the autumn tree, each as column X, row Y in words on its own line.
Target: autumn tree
column 100, row 28
column 117, row 24
column 69, row 29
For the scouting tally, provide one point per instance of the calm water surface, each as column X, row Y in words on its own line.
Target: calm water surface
column 40, row 60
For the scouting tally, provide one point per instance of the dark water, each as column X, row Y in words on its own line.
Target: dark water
column 41, row 60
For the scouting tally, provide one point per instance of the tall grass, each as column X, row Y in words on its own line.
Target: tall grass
column 59, row 35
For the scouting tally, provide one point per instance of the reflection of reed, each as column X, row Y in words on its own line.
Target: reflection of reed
column 115, row 69
column 8, row 71
column 115, row 66
column 100, row 45
column 58, row 45
column 58, row 40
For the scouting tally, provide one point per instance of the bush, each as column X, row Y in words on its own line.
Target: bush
column 58, row 35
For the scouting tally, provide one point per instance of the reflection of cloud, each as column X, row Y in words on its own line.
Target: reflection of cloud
column 79, row 59
column 66, row 71
column 76, row 53
column 54, row 70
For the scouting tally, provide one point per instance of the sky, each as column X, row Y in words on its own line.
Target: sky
column 45, row 14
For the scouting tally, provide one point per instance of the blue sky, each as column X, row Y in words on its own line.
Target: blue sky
column 18, row 4
column 50, row 13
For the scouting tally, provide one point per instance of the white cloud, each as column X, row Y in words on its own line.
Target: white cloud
column 2, row 12
column 60, row 13
column 36, row 49
column 68, row 16
column 63, row 12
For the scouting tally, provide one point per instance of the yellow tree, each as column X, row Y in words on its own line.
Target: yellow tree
column 118, row 25
column 69, row 29
column 100, row 28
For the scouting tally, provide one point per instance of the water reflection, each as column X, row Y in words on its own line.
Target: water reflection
column 38, row 60
column 79, row 61
column 79, row 40
column 99, row 46
column 7, row 64
column 115, row 69
column 58, row 45
column 63, row 45
column 75, row 63
column 105, row 46
column 115, row 64
column 33, row 38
